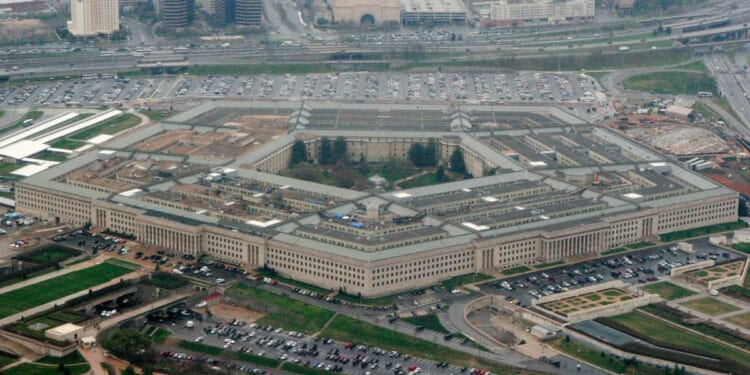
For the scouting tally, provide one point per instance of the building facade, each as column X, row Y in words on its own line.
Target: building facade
column 542, row 10
column 176, row 13
column 93, row 17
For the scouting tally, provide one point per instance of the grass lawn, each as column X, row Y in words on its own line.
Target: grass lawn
column 666, row 335
column 344, row 328
column 515, row 270
column 70, row 359
column 742, row 320
column 166, row 281
column 742, row 247
column 34, row 115
column 429, row 321
column 6, row 168
column 298, row 284
column 614, row 251
column 471, row 278
column 51, row 156
column 639, row 245
column 284, row 311
column 702, row 231
column 667, row 290
column 217, row 351
column 67, row 144
column 379, row 301
column 49, row 290
column 160, row 335
column 49, row 254
column 547, row 265
column 706, row 328
column 672, row 83
column 710, row 306
column 34, row 369
column 423, row 180
column 575, row 349
column 698, row 66
column 157, row 115
column 6, row 359
column 111, row 126
column 123, row 263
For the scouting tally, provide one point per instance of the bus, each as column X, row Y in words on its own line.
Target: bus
column 89, row 77
column 179, row 49
column 705, row 94
column 107, row 53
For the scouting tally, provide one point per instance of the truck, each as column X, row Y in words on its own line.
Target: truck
column 624, row 49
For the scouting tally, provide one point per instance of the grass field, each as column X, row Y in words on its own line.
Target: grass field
column 49, row 290
column 67, row 144
column 429, row 321
column 515, row 270
column 284, row 311
column 685, row 83
column 667, row 290
column 216, row 351
column 379, row 301
column 110, row 126
column 51, row 156
column 35, row 369
column 50, row 254
column 702, row 231
column 666, row 335
column 6, row 168
column 299, row 369
column 6, row 359
column 742, row 320
column 547, row 265
column 157, row 115
column 710, row 306
column 160, row 335
column 348, row 329
column 284, row 280
column 471, row 278
column 707, row 328
column 742, row 247
column 70, row 359
column 607, row 362
column 33, row 115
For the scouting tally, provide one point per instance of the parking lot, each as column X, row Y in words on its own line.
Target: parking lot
column 634, row 268
column 499, row 87
column 316, row 352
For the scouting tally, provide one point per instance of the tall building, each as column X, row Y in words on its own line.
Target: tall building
column 248, row 12
column 552, row 11
column 176, row 13
column 223, row 11
column 92, row 17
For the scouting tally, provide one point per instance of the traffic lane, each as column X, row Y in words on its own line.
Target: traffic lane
column 559, row 275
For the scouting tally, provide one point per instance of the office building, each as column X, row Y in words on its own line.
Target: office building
column 176, row 13
column 547, row 186
column 94, row 17
column 551, row 11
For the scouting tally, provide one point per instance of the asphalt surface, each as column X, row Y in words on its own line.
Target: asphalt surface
column 521, row 288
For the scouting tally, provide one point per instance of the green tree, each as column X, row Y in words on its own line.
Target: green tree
column 299, row 153
column 326, row 153
column 440, row 173
column 339, row 150
column 416, row 154
column 128, row 371
column 130, row 345
column 431, row 153
column 458, row 165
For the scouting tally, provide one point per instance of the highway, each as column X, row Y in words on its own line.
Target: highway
column 734, row 85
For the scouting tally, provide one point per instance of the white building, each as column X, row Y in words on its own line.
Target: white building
column 553, row 11
column 92, row 17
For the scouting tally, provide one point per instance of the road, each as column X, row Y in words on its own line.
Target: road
column 734, row 85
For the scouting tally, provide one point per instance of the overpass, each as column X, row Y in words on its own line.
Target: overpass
column 731, row 32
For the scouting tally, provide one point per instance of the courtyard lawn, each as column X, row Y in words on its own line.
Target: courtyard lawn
column 160, row 335
column 346, row 329
column 70, row 359
column 110, row 126
column 49, row 290
column 608, row 362
column 429, row 321
column 667, row 290
column 515, row 270
column 742, row 320
column 67, row 144
column 284, row 311
column 710, row 306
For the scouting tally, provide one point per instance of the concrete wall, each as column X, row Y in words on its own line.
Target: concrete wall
column 691, row 267
column 618, row 308
column 615, row 284
column 724, row 282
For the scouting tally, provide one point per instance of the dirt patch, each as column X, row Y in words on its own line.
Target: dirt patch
column 229, row 312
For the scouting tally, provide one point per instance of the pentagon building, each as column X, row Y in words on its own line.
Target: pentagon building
column 546, row 186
